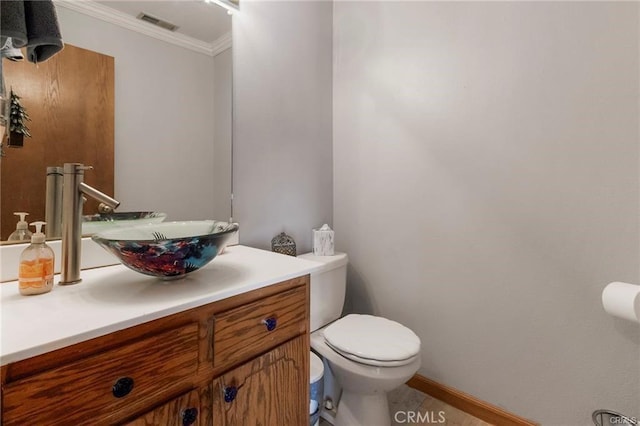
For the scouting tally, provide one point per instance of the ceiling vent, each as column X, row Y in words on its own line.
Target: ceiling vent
column 157, row 22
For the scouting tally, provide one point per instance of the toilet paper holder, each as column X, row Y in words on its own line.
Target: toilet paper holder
column 611, row 417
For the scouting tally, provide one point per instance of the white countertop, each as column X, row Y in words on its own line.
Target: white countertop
column 113, row 298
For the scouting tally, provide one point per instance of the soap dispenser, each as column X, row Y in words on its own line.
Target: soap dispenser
column 22, row 232
column 35, row 274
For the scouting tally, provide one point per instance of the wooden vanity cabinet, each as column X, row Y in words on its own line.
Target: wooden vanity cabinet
column 239, row 361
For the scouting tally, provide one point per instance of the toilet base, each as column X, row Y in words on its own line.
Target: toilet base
column 363, row 410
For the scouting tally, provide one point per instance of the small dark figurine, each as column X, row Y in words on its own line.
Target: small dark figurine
column 283, row 243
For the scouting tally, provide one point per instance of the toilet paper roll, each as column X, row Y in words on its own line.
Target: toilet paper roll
column 622, row 300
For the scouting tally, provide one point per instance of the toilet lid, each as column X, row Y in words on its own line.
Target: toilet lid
column 368, row 337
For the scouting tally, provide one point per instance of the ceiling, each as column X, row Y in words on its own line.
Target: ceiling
column 195, row 18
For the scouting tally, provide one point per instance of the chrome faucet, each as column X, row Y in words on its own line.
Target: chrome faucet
column 72, row 199
column 53, row 206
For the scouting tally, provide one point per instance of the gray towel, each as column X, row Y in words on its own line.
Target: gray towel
column 43, row 34
column 31, row 23
column 12, row 23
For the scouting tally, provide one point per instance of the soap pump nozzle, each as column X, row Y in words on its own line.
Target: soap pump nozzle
column 22, row 232
column 22, row 224
column 38, row 237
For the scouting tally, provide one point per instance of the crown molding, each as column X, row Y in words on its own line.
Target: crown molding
column 107, row 14
column 221, row 44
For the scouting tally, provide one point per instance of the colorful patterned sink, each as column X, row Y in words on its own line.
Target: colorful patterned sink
column 168, row 250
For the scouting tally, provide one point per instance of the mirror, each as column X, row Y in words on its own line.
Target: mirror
column 172, row 110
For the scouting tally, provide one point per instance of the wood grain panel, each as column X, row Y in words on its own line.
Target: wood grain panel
column 240, row 333
column 272, row 389
column 206, row 407
column 83, row 389
column 467, row 403
column 70, row 99
column 171, row 413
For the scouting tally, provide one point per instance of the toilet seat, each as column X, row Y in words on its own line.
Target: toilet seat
column 372, row 340
column 373, row 362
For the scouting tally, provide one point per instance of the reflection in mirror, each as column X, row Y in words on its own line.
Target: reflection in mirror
column 70, row 100
column 171, row 113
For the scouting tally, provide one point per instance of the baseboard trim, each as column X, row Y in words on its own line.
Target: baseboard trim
column 467, row 403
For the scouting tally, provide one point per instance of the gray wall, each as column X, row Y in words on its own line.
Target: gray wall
column 282, row 120
column 163, row 118
column 486, row 190
column 222, row 138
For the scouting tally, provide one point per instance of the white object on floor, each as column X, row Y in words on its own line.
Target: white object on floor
column 316, row 388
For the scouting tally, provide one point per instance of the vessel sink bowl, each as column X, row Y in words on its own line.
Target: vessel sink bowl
column 168, row 250
column 93, row 224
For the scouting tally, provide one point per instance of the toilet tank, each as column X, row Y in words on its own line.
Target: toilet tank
column 328, row 287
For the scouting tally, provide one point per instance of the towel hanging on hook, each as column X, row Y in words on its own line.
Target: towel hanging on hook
column 31, row 23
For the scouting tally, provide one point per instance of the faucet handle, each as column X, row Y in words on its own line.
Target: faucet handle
column 75, row 168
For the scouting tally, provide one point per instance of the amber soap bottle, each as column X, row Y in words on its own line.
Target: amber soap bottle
column 35, row 274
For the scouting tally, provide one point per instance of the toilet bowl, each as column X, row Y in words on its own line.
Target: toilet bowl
column 364, row 377
column 367, row 355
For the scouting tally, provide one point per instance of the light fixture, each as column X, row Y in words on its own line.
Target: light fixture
column 227, row 4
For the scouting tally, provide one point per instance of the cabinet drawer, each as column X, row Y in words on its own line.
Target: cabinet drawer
column 82, row 392
column 246, row 331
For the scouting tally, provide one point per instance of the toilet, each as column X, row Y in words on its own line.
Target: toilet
column 367, row 355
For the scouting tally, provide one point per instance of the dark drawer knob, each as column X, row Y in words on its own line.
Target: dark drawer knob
column 230, row 393
column 122, row 387
column 189, row 416
column 270, row 323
